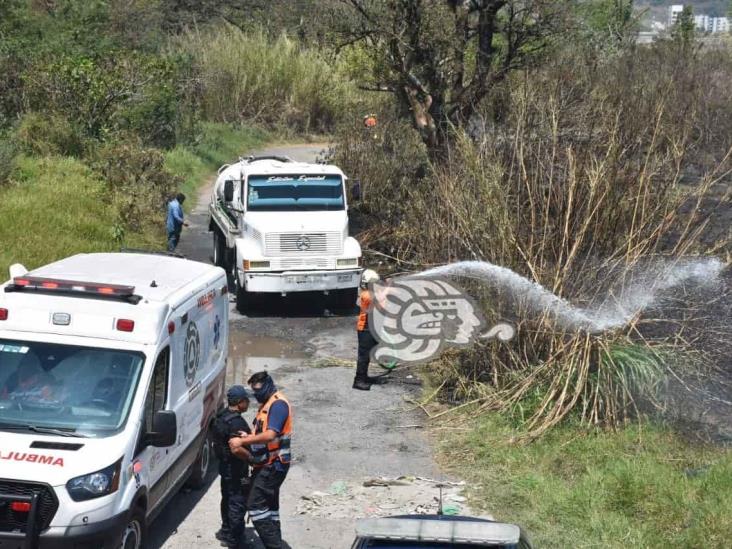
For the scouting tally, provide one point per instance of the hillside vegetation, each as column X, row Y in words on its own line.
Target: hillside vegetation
column 536, row 135
column 139, row 105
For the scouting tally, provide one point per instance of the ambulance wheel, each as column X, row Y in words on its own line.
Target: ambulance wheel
column 134, row 534
column 219, row 249
column 202, row 465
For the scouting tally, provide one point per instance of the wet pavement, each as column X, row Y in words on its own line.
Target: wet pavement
column 342, row 436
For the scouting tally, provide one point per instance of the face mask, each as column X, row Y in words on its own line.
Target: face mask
column 265, row 391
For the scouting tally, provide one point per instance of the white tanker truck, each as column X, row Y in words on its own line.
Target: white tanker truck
column 281, row 226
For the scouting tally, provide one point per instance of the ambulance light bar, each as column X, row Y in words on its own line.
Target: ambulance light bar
column 73, row 287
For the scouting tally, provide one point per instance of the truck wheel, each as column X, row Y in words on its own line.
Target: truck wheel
column 202, row 465
column 134, row 534
column 242, row 296
column 346, row 299
column 219, row 249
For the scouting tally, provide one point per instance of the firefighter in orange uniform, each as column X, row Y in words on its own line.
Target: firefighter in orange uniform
column 366, row 340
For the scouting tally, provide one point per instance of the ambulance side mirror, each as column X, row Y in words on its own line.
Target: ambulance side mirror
column 228, row 191
column 165, row 429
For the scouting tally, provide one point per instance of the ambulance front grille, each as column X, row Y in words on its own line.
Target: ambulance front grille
column 13, row 521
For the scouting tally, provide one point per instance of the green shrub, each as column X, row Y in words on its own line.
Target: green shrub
column 8, row 151
column 132, row 92
column 48, row 134
column 137, row 182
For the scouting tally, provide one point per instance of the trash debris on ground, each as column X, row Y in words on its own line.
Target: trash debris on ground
column 338, row 488
column 383, row 481
column 383, row 496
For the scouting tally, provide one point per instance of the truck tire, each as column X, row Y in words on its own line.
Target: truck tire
column 134, row 534
column 345, row 299
column 242, row 296
column 202, row 465
column 219, row 249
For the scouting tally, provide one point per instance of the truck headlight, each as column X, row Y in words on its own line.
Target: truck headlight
column 95, row 485
column 349, row 262
column 248, row 265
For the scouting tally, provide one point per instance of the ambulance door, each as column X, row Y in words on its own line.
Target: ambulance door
column 154, row 462
column 189, row 352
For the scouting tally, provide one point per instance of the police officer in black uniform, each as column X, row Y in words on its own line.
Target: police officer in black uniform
column 234, row 469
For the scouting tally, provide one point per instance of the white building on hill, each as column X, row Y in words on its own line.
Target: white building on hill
column 674, row 12
column 719, row 24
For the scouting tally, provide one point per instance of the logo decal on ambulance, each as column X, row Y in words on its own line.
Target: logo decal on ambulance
column 192, row 353
column 217, row 331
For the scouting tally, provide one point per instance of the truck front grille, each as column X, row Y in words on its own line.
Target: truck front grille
column 13, row 521
column 294, row 263
column 279, row 244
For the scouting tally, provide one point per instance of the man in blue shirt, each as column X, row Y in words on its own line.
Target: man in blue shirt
column 175, row 223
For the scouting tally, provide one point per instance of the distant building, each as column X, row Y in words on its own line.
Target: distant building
column 703, row 22
column 674, row 12
column 719, row 24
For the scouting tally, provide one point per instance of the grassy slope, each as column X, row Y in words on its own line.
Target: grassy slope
column 56, row 206
column 573, row 488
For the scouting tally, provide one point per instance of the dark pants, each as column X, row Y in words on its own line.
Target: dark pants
column 264, row 505
column 173, row 239
column 233, row 507
column 366, row 342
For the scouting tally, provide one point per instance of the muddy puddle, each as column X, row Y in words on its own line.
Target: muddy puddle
column 250, row 353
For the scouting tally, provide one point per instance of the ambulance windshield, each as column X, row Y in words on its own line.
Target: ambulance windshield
column 65, row 389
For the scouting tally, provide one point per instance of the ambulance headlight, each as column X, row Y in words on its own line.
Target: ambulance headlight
column 95, row 485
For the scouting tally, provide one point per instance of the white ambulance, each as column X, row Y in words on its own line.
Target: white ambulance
column 111, row 369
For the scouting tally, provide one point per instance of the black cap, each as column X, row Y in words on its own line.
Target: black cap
column 236, row 394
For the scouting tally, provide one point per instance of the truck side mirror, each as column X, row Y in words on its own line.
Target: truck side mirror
column 356, row 190
column 164, row 429
column 228, row 191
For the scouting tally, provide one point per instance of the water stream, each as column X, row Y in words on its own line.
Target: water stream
column 642, row 290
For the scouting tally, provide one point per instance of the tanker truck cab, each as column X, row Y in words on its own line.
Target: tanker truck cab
column 281, row 226
column 111, row 369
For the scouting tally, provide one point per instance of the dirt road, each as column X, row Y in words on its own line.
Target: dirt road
column 342, row 437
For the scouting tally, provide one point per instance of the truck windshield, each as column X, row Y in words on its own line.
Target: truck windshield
column 65, row 389
column 269, row 193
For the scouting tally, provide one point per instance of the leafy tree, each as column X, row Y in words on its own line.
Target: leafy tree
column 133, row 92
column 611, row 19
column 441, row 58
column 684, row 30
